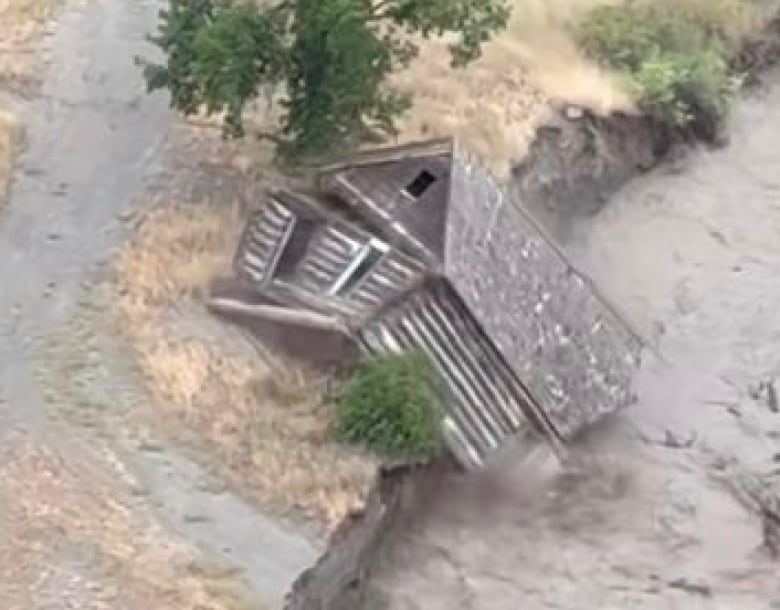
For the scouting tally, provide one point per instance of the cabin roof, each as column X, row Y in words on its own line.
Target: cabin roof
column 573, row 350
column 390, row 154
column 373, row 182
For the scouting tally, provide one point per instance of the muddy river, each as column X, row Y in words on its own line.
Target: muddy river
column 649, row 519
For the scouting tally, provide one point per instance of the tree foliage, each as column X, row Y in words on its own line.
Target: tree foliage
column 325, row 61
column 392, row 406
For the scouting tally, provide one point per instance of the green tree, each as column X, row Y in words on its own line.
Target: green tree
column 325, row 61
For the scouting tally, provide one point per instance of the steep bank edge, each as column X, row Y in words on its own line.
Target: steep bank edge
column 578, row 160
column 336, row 582
column 574, row 165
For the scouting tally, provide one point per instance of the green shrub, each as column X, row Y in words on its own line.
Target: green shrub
column 391, row 405
column 676, row 63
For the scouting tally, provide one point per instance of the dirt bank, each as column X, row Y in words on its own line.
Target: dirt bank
column 579, row 158
column 338, row 578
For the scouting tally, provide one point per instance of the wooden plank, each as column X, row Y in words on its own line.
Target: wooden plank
column 285, row 315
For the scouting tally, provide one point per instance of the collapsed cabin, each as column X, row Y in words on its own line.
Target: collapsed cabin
column 419, row 248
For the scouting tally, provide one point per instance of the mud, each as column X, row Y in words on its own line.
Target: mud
column 578, row 160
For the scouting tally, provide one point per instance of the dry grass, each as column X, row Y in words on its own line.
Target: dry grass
column 496, row 104
column 22, row 22
column 263, row 424
column 22, row 13
column 10, row 137
column 71, row 538
column 176, row 250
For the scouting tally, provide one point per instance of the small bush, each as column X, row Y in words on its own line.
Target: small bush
column 677, row 63
column 391, row 406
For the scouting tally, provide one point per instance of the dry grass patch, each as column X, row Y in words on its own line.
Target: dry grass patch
column 72, row 539
column 261, row 422
column 176, row 250
column 22, row 22
column 10, row 138
column 495, row 104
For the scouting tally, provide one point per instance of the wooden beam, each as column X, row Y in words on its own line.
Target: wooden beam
column 278, row 313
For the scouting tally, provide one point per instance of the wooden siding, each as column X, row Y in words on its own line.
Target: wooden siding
column 487, row 405
column 262, row 242
column 390, row 277
column 329, row 254
column 331, row 251
column 380, row 191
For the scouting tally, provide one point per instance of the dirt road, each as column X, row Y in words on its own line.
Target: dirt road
column 651, row 522
column 95, row 143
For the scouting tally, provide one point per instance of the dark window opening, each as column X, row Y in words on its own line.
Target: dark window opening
column 420, row 184
column 365, row 259
column 295, row 248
